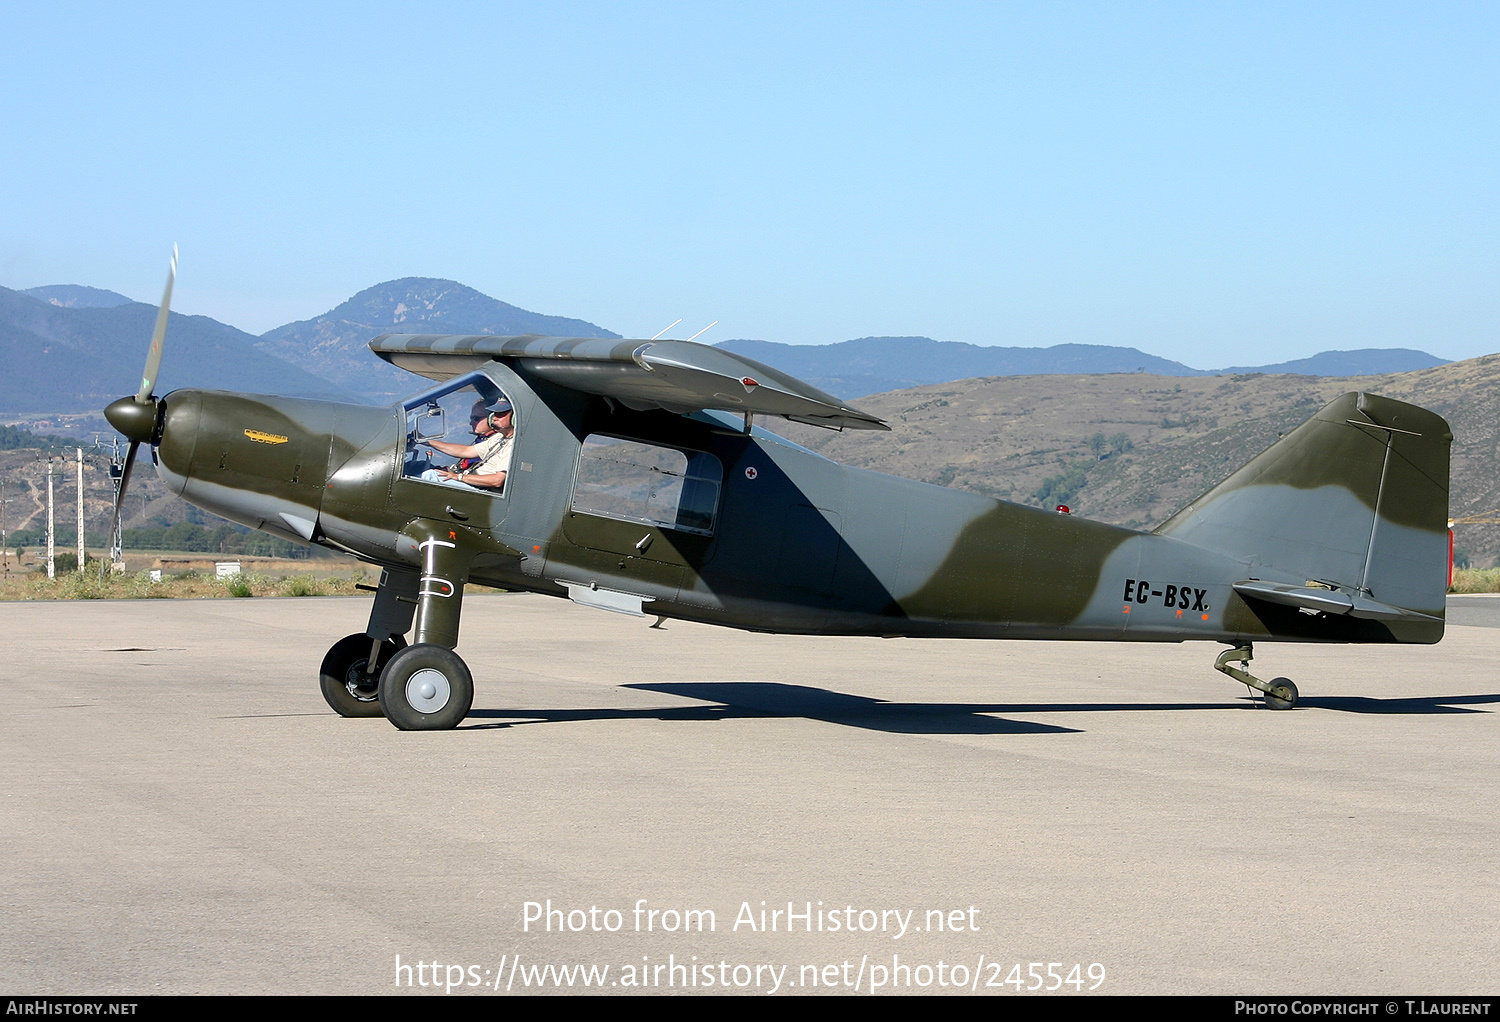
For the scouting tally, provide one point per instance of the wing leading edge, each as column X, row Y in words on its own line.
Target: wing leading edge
column 678, row 376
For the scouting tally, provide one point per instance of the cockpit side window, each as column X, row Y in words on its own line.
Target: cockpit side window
column 460, row 434
column 648, row 483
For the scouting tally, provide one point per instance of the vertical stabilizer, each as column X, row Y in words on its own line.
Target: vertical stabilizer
column 1355, row 499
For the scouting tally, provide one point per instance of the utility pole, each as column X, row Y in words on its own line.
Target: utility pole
column 81, row 554
column 51, row 525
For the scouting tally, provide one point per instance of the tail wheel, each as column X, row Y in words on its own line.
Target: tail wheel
column 348, row 687
column 1283, row 694
column 426, row 688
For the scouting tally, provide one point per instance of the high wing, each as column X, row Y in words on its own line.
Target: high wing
column 678, row 376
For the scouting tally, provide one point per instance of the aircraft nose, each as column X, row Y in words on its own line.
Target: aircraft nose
column 136, row 420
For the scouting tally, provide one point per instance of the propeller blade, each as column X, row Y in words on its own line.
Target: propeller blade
column 158, row 336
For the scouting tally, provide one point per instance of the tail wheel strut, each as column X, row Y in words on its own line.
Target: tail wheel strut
column 1280, row 693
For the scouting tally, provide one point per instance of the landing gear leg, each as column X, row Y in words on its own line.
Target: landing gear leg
column 1280, row 693
column 427, row 686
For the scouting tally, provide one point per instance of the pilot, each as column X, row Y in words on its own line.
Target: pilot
column 487, row 460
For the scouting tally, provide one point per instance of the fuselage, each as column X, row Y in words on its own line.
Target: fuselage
column 763, row 534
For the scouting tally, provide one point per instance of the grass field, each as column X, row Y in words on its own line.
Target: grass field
column 1475, row 580
column 187, row 586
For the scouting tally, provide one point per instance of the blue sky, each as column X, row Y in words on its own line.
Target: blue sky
column 1218, row 183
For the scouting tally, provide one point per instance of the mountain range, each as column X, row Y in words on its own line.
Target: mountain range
column 67, row 358
column 335, row 345
column 69, row 348
column 876, row 365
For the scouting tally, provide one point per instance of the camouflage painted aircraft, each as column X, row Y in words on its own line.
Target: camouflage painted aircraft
column 637, row 483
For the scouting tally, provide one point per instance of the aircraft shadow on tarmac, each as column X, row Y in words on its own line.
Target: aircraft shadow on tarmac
column 734, row 700
column 1420, row 704
column 737, row 700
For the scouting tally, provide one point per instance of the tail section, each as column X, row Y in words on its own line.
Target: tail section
column 1347, row 514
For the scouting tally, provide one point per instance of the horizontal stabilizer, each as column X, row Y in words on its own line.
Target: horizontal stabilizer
column 679, row 376
column 1327, row 601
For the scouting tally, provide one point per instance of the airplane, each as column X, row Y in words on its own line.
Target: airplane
column 638, row 483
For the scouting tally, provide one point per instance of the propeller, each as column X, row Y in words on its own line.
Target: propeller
column 158, row 335
column 136, row 417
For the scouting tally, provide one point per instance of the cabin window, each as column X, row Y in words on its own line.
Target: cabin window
column 639, row 482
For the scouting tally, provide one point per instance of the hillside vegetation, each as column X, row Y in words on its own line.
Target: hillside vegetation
column 1132, row 448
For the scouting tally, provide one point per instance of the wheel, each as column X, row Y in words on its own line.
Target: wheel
column 347, row 688
column 1283, row 694
column 426, row 688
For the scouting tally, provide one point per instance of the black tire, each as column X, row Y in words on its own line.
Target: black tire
column 426, row 688
column 1287, row 697
column 346, row 687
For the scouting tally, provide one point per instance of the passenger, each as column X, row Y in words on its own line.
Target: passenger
column 486, row 461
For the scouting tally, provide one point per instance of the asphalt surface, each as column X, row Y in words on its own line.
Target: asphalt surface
column 1482, row 610
column 182, row 813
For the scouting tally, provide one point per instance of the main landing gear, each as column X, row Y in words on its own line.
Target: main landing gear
column 422, row 687
column 425, row 687
column 1280, row 693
